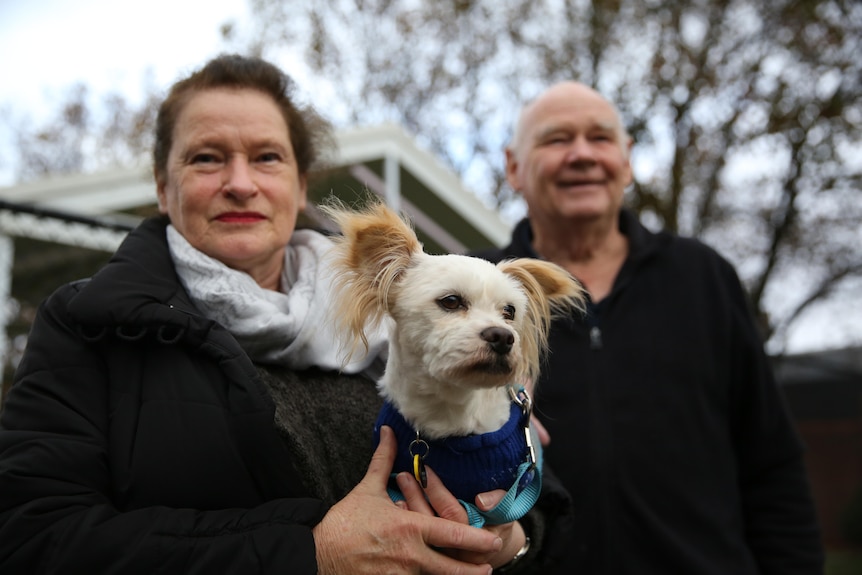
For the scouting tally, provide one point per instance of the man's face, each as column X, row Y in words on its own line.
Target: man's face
column 570, row 159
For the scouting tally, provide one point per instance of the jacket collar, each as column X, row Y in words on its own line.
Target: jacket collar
column 643, row 244
column 641, row 241
column 137, row 286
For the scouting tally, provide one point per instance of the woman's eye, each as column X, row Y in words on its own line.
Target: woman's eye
column 451, row 302
column 509, row 312
column 204, row 159
column 269, row 157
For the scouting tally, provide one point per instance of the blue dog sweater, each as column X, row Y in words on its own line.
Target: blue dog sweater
column 472, row 464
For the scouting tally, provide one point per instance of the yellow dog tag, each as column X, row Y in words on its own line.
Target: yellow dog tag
column 419, row 471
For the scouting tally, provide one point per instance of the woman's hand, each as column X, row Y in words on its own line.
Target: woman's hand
column 441, row 502
column 367, row 533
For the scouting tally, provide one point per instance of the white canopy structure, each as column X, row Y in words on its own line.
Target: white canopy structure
column 381, row 159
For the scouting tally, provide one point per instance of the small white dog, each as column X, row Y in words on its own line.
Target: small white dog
column 466, row 337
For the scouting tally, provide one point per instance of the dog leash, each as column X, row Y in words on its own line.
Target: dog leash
column 525, row 491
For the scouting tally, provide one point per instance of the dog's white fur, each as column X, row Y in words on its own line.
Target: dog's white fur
column 448, row 361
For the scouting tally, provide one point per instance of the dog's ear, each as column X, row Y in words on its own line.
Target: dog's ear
column 551, row 291
column 381, row 245
column 543, row 279
column 376, row 248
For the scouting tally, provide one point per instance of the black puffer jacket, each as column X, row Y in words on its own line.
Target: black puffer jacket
column 138, row 438
column 667, row 426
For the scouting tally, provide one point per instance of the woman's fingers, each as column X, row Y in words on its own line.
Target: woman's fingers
column 442, row 501
column 436, row 499
column 488, row 500
column 450, row 535
column 414, row 496
column 384, row 456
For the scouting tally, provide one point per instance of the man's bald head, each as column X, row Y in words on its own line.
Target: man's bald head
column 567, row 92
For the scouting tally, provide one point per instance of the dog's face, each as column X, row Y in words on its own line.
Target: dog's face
column 461, row 318
column 458, row 320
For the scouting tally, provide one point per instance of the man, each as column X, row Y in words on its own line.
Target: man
column 665, row 422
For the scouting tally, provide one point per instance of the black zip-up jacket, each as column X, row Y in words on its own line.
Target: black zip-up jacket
column 139, row 438
column 667, row 426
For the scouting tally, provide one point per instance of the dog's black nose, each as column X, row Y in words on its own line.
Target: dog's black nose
column 500, row 339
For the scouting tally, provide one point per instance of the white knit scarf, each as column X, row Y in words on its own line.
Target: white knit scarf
column 287, row 328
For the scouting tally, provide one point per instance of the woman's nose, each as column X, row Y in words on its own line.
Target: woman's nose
column 239, row 180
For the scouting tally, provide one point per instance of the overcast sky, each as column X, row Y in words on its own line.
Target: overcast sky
column 46, row 46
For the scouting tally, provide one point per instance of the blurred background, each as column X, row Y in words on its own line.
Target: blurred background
column 746, row 116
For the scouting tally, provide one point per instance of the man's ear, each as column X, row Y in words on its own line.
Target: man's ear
column 512, row 170
column 628, row 151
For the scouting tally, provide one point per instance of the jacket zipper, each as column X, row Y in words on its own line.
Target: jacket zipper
column 595, row 338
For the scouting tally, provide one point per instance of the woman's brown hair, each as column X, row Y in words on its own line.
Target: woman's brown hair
column 307, row 130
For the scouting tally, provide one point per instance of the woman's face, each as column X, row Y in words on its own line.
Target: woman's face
column 232, row 187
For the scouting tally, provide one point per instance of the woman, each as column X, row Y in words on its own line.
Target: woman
column 179, row 412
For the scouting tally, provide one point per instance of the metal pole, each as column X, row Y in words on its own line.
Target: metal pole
column 7, row 259
column 392, row 177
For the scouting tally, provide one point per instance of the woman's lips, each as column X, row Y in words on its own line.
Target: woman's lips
column 239, row 217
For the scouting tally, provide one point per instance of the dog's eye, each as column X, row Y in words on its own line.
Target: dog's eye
column 451, row 302
column 509, row 312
